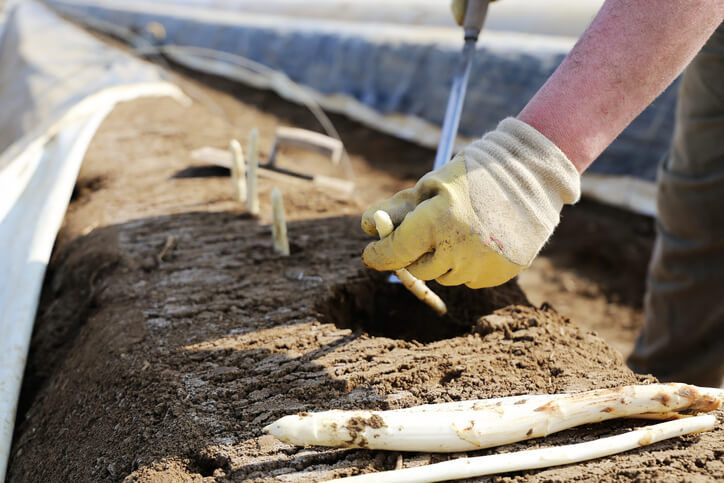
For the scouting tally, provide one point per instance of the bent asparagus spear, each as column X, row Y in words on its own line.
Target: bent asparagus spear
column 384, row 226
column 540, row 458
column 484, row 426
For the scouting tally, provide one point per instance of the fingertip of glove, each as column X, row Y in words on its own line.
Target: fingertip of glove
column 368, row 225
column 368, row 257
column 372, row 258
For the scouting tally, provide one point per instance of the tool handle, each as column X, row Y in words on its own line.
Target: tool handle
column 475, row 17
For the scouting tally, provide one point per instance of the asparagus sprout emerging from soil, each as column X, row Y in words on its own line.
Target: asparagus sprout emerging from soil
column 484, row 426
column 384, row 226
column 252, row 178
column 238, row 171
column 279, row 223
column 540, row 458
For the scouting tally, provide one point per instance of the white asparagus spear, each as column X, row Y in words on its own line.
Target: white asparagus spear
column 539, row 458
column 238, row 171
column 384, row 226
column 526, row 399
column 483, row 427
column 529, row 401
column 538, row 399
column 714, row 392
column 279, row 223
column 252, row 178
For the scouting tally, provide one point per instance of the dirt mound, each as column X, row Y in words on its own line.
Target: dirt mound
column 170, row 333
column 186, row 359
column 178, row 364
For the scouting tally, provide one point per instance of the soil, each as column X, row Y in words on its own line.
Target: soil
column 169, row 332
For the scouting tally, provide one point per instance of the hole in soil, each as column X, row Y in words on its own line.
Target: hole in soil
column 85, row 186
column 295, row 248
column 369, row 303
column 206, row 463
column 203, row 172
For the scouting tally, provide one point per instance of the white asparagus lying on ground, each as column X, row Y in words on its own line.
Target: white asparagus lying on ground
column 529, row 401
column 384, row 226
column 252, row 175
column 279, row 223
column 238, row 171
column 538, row 399
column 540, row 458
column 485, row 426
column 526, row 399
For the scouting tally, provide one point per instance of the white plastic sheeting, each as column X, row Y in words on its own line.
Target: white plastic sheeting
column 57, row 84
column 546, row 17
column 355, row 60
column 627, row 192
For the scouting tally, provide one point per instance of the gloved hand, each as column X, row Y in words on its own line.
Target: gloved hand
column 482, row 217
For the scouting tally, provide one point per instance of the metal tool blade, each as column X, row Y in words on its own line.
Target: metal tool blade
column 455, row 105
column 474, row 18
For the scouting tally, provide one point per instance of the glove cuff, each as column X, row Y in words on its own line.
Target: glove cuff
column 542, row 157
column 518, row 182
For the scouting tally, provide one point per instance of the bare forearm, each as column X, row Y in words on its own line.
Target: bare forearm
column 631, row 52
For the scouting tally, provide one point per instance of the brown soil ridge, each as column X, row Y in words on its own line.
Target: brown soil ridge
column 178, row 365
column 167, row 337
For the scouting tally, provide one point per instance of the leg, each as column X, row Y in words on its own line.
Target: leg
column 683, row 336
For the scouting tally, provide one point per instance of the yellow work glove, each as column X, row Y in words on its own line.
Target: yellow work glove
column 481, row 218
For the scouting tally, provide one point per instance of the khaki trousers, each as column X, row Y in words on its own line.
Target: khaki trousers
column 683, row 336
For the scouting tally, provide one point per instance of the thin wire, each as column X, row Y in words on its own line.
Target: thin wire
column 144, row 48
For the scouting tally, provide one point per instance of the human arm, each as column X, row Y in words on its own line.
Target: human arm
column 629, row 54
column 483, row 217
